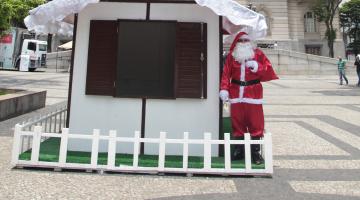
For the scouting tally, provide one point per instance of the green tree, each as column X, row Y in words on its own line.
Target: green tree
column 325, row 11
column 13, row 12
column 5, row 16
column 350, row 21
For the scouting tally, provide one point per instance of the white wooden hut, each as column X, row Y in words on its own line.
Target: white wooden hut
column 149, row 66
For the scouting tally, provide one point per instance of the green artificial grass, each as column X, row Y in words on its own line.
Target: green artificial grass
column 49, row 152
column 226, row 125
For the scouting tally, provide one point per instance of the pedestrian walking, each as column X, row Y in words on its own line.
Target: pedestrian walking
column 357, row 64
column 341, row 67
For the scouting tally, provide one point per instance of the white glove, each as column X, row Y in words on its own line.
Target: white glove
column 252, row 65
column 224, row 95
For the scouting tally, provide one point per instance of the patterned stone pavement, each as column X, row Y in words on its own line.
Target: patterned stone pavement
column 316, row 138
column 56, row 84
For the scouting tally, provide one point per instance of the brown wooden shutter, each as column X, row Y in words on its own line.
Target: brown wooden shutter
column 191, row 65
column 102, row 58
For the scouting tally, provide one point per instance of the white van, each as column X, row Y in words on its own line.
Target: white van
column 36, row 51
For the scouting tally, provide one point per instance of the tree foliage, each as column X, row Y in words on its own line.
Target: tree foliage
column 5, row 16
column 325, row 11
column 350, row 21
column 13, row 12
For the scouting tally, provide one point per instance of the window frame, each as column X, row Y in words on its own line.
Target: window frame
column 310, row 25
column 312, row 48
column 190, row 58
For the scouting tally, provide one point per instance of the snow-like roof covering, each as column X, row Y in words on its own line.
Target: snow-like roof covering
column 237, row 17
column 56, row 17
column 49, row 17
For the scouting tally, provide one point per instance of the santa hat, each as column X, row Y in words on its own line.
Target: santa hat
column 244, row 36
column 241, row 35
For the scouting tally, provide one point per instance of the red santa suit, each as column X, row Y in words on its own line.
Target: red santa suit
column 245, row 91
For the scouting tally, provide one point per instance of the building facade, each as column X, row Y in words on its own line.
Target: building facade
column 293, row 26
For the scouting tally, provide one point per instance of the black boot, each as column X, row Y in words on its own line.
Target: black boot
column 256, row 157
column 239, row 151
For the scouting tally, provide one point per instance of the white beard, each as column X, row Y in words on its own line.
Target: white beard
column 243, row 51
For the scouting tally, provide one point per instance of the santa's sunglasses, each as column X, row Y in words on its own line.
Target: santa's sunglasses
column 243, row 40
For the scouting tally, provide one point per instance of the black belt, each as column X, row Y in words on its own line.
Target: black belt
column 245, row 83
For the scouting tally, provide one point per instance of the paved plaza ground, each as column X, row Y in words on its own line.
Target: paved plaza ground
column 315, row 123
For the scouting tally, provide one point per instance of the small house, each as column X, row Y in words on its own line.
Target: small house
column 150, row 66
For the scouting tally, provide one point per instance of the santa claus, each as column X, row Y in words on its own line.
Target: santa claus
column 244, row 70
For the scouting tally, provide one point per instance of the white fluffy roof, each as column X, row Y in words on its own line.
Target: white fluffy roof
column 49, row 17
column 237, row 17
column 56, row 17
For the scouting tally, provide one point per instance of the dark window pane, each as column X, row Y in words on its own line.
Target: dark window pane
column 32, row 46
column 42, row 47
column 146, row 59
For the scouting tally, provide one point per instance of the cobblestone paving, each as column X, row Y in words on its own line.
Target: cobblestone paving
column 56, row 84
column 316, row 137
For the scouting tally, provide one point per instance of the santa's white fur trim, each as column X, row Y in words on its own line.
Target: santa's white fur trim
column 245, row 36
column 242, row 78
column 247, row 100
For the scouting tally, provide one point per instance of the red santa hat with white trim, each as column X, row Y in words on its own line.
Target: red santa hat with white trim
column 241, row 35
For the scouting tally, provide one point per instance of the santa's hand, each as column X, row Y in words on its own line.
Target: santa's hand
column 252, row 65
column 224, row 95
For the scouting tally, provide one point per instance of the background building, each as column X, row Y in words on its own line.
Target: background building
column 293, row 26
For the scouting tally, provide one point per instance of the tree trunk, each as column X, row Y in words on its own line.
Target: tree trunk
column 331, row 37
column 331, row 48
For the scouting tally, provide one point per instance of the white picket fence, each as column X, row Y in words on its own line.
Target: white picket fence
column 162, row 141
column 53, row 122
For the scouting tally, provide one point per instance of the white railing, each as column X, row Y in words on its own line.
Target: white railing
column 163, row 141
column 53, row 122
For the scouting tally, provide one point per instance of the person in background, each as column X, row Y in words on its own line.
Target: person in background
column 357, row 64
column 275, row 45
column 341, row 67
